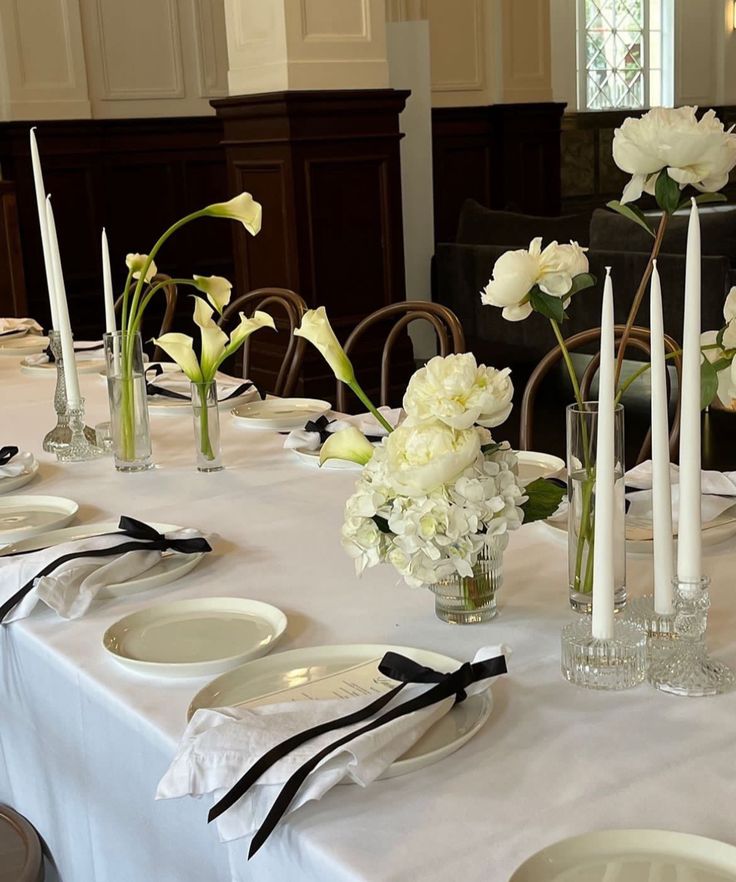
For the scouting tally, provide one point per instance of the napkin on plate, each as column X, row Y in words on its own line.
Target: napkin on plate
column 309, row 439
column 178, row 385
column 72, row 586
column 20, row 463
column 84, row 350
column 12, row 325
column 219, row 746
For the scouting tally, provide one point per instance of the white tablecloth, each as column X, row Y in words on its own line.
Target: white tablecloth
column 83, row 742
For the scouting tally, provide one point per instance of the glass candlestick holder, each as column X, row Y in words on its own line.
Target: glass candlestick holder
column 609, row 664
column 79, row 448
column 60, row 436
column 658, row 627
column 688, row 669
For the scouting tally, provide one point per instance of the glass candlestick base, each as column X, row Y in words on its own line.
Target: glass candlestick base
column 688, row 669
column 618, row 663
column 79, row 448
column 59, row 438
column 658, row 627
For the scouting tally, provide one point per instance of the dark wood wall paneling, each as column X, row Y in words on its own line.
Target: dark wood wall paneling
column 507, row 156
column 133, row 176
column 12, row 278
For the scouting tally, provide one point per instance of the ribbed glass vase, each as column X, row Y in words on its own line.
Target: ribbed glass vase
column 469, row 600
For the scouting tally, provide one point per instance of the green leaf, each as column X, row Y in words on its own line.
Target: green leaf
column 544, row 499
column 547, row 305
column 633, row 213
column 708, row 383
column 381, row 523
column 721, row 364
column 704, row 199
column 488, row 449
column 667, row 192
column 581, row 282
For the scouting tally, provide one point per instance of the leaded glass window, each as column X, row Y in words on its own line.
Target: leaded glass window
column 623, row 53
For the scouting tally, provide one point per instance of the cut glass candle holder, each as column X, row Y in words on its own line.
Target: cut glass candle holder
column 688, row 669
column 79, row 448
column 617, row 663
column 658, row 627
column 58, row 439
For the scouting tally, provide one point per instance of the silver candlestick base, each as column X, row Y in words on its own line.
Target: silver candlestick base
column 59, row 438
column 79, row 448
column 658, row 627
column 618, row 663
column 688, row 669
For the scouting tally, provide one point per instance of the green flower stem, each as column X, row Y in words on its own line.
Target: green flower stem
column 568, row 362
column 645, row 367
column 369, row 404
column 124, row 310
column 138, row 318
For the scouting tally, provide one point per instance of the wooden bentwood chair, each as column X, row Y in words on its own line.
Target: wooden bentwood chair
column 290, row 304
column 171, row 293
column 445, row 323
column 639, row 339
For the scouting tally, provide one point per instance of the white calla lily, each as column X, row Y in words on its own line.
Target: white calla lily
column 180, row 347
column 136, row 262
column 214, row 339
column 247, row 326
column 217, row 289
column 243, row 208
column 349, row 444
column 316, row 328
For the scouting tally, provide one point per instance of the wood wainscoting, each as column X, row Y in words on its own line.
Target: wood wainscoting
column 12, row 278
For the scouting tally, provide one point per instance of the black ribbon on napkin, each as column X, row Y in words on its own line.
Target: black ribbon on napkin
column 320, row 427
column 154, row 389
column 143, row 537
column 7, row 453
column 52, row 358
column 396, row 667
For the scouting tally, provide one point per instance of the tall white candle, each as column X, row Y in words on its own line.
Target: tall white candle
column 661, row 490
column 107, row 286
column 42, row 223
column 689, row 526
column 603, row 558
column 73, row 395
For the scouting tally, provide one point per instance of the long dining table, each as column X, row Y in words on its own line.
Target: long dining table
column 84, row 741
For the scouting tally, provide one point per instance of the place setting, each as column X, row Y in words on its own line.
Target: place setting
column 17, row 468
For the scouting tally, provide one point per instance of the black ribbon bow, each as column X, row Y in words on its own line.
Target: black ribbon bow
column 7, row 453
column 143, row 537
column 52, row 358
column 396, row 667
column 154, row 389
column 320, row 426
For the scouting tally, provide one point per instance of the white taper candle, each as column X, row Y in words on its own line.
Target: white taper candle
column 43, row 225
column 689, row 523
column 73, row 395
column 603, row 580
column 107, row 286
column 661, row 489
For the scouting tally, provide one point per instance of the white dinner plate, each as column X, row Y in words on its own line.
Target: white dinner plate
column 631, row 856
column 195, row 638
column 300, row 666
column 29, row 344
column 533, row 465
column 280, row 413
column 25, row 516
column 48, row 368
column 170, row 568
column 9, row 484
column 312, row 458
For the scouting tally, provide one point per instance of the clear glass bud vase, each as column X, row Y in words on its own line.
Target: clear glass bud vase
column 126, row 389
column 582, row 436
column 463, row 600
column 206, row 426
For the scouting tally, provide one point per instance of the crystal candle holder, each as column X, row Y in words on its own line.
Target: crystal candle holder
column 688, row 669
column 79, row 448
column 618, row 663
column 59, row 438
column 658, row 627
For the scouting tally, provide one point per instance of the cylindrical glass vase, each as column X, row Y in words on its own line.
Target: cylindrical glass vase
column 582, row 435
column 126, row 389
column 469, row 600
column 206, row 426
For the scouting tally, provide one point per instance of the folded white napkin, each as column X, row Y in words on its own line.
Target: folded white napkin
column 72, row 587
column 21, row 464
column 219, row 746
column 20, row 324
column 177, row 381
column 301, row 439
column 84, row 350
column 711, row 482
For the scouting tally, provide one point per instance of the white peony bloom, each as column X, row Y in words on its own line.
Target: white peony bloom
column 726, row 393
column 696, row 152
column 459, row 392
column 515, row 273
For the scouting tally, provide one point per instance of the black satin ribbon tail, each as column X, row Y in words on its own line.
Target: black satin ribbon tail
column 7, row 453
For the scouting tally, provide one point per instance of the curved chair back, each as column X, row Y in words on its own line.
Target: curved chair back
column 288, row 303
column 171, row 293
column 445, row 323
column 639, row 340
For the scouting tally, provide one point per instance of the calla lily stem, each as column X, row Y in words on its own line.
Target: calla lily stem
column 369, row 404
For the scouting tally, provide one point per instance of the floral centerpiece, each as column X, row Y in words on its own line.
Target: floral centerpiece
column 665, row 151
column 438, row 497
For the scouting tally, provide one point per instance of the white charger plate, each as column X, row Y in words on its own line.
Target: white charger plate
column 170, row 568
column 533, row 465
column 8, row 484
column 280, row 413
column 312, row 458
column 195, row 638
column 48, row 368
column 29, row 344
column 631, row 856
column 300, row 666
column 24, row 516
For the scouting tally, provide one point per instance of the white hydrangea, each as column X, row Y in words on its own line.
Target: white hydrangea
column 440, row 533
